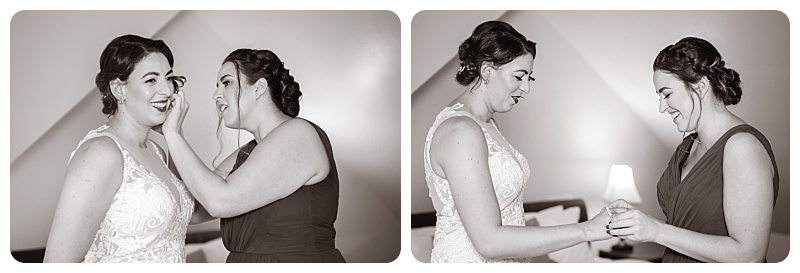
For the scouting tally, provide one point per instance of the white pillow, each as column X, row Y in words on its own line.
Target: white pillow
column 422, row 243
column 580, row 253
column 531, row 217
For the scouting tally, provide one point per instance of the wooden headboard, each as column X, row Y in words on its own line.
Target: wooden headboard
column 424, row 219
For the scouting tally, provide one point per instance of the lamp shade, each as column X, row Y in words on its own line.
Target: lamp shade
column 621, row 185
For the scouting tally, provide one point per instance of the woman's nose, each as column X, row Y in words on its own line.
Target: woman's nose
column 662, row 105
column 216, row 95
column 525, row 87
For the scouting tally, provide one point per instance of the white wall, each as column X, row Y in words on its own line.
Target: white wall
column 593, row 103
column 348, row 67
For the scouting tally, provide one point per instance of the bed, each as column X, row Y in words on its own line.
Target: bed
column 539, row 213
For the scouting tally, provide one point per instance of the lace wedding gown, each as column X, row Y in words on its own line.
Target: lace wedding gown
column 144, row 222
column 509, row 171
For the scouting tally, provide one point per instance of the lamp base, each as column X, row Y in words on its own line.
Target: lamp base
column 622, row 247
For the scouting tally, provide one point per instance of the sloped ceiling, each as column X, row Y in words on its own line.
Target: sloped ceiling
column 621, row 45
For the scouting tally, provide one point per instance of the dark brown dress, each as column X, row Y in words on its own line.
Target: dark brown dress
column 696, row 203
column 295, row 229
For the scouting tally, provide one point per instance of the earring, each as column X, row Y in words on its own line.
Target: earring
column 485, row 80
column 122, row 101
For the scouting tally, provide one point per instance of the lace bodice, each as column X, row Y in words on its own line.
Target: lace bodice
column 509, row 171
column 144, row 222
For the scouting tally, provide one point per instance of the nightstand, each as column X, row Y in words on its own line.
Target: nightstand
column 641, row 250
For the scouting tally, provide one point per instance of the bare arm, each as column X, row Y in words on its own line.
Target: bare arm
column 289, row 157
column 747, row 202
column 459, row 149
column 93, row 177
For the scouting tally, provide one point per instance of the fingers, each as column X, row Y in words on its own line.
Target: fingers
column 620, row 203
column 624, row 215
column 622, row 224
column 626, row 231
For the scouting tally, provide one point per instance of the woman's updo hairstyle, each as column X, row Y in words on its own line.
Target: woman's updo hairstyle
column 255, row 64
column 118, row 60
column 494, row 42
column 691, row 59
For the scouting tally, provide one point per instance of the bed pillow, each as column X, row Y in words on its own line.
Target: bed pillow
column 422, row 243
column 580, row 253
column 530, row 217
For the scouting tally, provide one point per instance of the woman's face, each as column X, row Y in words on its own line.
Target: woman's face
column 148, row 90
column 225, row 96
column 675, row 99
column 508, row 82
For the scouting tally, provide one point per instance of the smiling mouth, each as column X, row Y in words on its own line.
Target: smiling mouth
column 162, row 106
column 675, row 115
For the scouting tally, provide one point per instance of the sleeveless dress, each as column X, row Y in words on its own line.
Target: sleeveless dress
column 296, row 229
column 696, row 203
column 509, row 171
column 144, row 222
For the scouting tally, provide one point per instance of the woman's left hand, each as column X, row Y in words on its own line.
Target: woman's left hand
column 177, row 114
column 635, row 225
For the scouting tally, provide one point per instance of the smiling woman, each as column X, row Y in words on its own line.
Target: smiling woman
column 721, row 184
column 117, row 178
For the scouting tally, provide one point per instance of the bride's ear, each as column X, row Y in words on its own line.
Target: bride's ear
column 486, row 71
column 117, row 88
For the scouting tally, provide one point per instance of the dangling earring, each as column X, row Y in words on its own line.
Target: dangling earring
column 122, row 101
column 485, row 80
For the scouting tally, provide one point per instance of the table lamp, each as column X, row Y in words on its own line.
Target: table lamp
column 621, row 186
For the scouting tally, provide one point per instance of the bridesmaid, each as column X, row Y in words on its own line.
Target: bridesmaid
column 721, row 183
column 278, row 196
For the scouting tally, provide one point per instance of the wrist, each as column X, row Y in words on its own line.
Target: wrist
column 661, row 229
column 172, row 135
column 585, row 234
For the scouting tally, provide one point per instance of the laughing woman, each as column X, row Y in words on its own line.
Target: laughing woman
column 721, row 183
column 120, row 202
column 279, row 200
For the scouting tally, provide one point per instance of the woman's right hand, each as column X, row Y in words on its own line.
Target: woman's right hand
column 174, row 121
column 633, row 224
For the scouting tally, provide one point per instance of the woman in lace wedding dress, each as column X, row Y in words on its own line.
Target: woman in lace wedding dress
column 120, row 201
column 476, row 179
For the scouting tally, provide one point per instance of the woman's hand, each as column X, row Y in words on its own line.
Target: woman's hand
column 174, row 121
column 595, row 228
column 633, row 224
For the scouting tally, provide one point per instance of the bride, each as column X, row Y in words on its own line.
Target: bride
column 475, row 177
column 120, row 202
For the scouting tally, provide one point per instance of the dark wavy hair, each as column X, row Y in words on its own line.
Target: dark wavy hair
column 494, row 42
column 118, row 60
column 255, row 64
column 691, row 59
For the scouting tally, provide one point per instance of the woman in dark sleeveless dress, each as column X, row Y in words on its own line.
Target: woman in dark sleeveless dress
column 279, row 201
column 721, row 183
